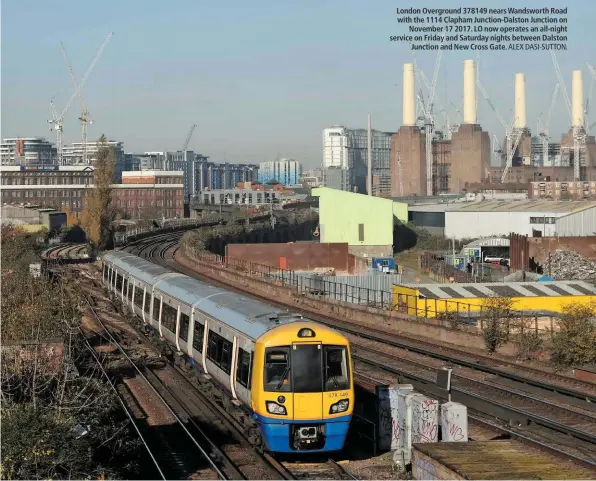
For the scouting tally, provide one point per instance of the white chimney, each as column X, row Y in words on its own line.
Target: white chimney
column 520, row 101
column 577, row 99
column 409, row 107
column 469, row 92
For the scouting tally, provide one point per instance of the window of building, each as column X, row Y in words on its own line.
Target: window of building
column 361, row 232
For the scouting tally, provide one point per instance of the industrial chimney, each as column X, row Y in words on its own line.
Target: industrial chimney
column 520, row 101
column 469, row 92
column 577, row 99
column 409, row 107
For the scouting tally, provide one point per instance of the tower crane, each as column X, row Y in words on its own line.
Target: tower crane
column 579, row 134
column 543, row 132
column 57, row 121
column 512, row 135
column 188, row 137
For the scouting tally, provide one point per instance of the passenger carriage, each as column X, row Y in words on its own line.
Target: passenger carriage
column 291, row 375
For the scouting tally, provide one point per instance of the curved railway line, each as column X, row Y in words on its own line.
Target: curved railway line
column 522, row 405
column 185, row 439
column 198, row 416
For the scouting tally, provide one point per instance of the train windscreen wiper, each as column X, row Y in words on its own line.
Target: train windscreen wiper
column 283, row 378
column 332, row 376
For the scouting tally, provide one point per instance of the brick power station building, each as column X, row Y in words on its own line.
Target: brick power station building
column 457, row 162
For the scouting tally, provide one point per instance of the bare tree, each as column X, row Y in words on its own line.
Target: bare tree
column 99, row 213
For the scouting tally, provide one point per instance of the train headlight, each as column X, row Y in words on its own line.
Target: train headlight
column 274, row 408
column 339, row 407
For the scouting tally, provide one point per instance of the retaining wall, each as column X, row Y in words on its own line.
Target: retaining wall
column 393, row 322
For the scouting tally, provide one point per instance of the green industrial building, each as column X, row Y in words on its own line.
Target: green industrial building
column 365, row 222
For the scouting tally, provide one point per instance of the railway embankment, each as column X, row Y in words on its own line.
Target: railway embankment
column 210, row 265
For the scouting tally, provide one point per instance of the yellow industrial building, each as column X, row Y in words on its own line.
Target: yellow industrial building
column 428, row 300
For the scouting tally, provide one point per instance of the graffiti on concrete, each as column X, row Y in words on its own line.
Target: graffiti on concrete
column 425, row 420
column 389, row 437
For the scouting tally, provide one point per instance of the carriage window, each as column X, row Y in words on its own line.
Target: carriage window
column 244, row 364
column 337, row 375
column 139, row 296
column 168, row 317
column 125, row 287
column 277, row 369
column 105, row 270
column 219, row 351
column 156, row 302
column 184, row 322
column 197, row 338
column 118, row 282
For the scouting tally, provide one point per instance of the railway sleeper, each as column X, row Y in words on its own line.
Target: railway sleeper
column 203, row 381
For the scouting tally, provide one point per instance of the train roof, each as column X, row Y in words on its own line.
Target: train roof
column 141, row 269
column 251, row 317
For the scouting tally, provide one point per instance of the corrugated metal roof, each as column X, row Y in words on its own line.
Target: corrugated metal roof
column 505, row 289
column 525, row 205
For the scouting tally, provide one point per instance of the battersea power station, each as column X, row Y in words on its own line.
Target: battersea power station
column 425, row 161
column 456, row 160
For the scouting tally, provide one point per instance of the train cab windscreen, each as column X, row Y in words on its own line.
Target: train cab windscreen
column 337, row 376
column 277, row 369
column 306, row 368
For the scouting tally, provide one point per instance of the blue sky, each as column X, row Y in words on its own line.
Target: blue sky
column 260, row 78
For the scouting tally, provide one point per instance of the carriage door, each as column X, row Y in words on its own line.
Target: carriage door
column 307, row 380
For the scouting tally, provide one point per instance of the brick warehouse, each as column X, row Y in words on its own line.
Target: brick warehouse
column 158, row 193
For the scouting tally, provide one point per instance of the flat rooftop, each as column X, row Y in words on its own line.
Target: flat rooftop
column 504, row 289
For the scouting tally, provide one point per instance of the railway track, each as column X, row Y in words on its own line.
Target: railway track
column 177, row 384
column 66, row 253
column 525, row 412
column 192, row 439
column 541, row 380
column 538, row 412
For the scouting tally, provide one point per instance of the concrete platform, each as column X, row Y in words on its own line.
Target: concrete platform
column 490, row 460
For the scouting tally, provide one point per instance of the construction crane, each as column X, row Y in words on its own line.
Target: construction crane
column 57, row 121
column 543, row 132
column 512, row 135
column 188, row 137
column 84, row 115
column 579, row 134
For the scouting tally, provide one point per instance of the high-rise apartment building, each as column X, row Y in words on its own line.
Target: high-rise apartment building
column 345, row 159
column 30, row 151
column 73, row 155
column 284, row 171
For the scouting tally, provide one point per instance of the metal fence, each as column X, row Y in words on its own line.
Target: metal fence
column 454, row 313
column 443, row 272
column 341, row 288
column 314, row 286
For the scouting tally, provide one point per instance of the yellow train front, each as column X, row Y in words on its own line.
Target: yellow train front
column 302, row 392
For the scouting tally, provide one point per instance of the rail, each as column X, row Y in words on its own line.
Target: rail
column 214, row 450
column 482, row 403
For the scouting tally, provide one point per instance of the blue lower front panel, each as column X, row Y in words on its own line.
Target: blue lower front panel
column 276, row 433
